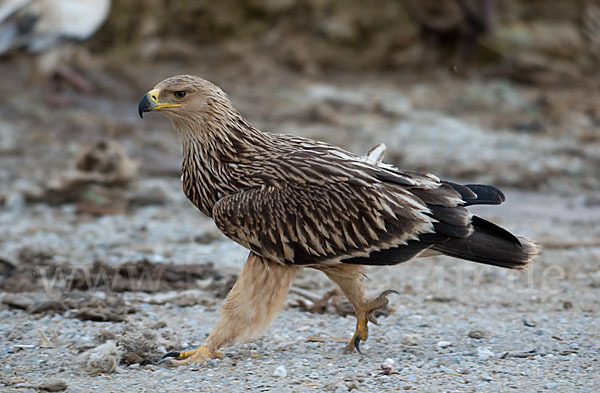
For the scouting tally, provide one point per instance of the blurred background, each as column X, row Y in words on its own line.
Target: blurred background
column 505, row 92
column 498, row 91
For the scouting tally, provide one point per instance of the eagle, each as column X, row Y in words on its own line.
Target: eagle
column 298, row 203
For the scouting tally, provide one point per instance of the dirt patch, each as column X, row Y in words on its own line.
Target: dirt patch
column 101, row 181
column 35, row 272
column 139, row 344
column 112, row 308
column 83, row 305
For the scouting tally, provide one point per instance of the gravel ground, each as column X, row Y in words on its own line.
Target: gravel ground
column 456, row 326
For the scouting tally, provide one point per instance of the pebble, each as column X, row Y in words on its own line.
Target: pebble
column 444, row 344
column 280, row 372
column 477, row 334
column 486, row 377
column 52, row 386
column 387, row 366
column 529, row 323
column 484, row 353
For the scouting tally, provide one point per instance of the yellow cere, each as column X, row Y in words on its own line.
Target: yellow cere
column 153, row 94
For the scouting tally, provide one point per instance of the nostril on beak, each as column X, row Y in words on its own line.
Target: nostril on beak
column 153, row 96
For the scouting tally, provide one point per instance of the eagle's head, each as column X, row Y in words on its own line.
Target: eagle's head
column 186, row 100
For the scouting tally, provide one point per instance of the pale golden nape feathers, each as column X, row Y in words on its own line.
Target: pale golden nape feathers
column 298, row 201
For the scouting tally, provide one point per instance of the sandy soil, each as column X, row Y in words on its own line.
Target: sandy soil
column 456, row 326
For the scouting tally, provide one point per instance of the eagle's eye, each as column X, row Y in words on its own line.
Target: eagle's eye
column 179, row 94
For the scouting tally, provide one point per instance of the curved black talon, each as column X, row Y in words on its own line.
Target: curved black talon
column 171, row 355
column 357, row 344
column 388, row 292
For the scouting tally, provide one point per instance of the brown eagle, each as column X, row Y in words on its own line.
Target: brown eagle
column 296, row 202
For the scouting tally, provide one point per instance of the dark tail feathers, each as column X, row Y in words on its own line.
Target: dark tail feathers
column 491, row 245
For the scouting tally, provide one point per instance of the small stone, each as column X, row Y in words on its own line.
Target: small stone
column 477, row 334
column 280, row 372
column 159, row 325
column 52, row 386
column 387, row 366
column 529, row 323
column 485, row 377
column 444, row 344
column 484, row 353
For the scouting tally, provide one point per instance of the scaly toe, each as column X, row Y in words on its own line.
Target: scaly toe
column 197, row 356
column 381, row 300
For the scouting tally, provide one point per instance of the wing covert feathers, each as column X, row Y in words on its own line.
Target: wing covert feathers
column 314, row 224
column 360, row 221
column 298, row 201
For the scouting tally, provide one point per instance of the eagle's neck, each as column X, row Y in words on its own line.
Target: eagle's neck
column 215, row 154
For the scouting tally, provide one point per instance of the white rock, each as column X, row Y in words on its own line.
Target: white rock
column 444, row 344
column 484, row 353
column 389, row 362
column 280, row 372
column 387, row 366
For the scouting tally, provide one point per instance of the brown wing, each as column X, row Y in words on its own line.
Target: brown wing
column 337, row 220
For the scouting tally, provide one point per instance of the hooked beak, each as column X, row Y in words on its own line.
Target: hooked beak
column 149, row 102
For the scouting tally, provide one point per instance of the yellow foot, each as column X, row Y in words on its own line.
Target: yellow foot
column 364, row 315
column 198, row 355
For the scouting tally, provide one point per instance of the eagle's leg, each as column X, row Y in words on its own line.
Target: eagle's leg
column 350, row 280
column 250, row 307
